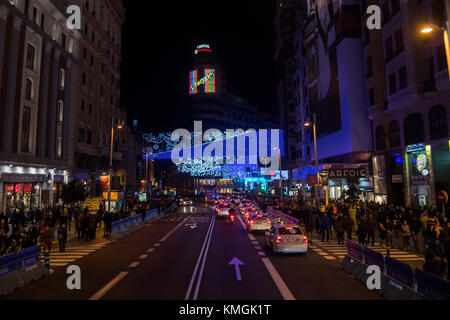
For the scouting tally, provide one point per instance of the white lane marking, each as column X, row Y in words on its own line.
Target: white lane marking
column 173, row 230
column 199, row 280
column 318, row 250
column 157, row 244
column 191, row 283
column 151, row 250
column 411, row 259
column 261, row 253
column 341, row 257
column 59, row 264
column 329, row 257
column 99, row 294
column 281, row 285
column 323, row 253
column 144, row 256
column 258, row 248
column 279, row 282
column 134, row 265
column 254, row 242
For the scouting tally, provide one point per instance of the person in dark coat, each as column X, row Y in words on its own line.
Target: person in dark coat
column 371, row 228
column 340, row 229
column 325, row 225
column 32, row 236
column 107, row 221
column 62, row 238
column 348, row 225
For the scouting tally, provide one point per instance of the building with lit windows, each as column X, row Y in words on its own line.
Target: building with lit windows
column 38, row 89
column 98, row 106
column 408, row 102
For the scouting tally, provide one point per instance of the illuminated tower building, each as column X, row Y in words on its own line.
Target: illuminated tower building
column 211, row 103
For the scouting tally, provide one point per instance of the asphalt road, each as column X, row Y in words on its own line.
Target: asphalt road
column 187, row 255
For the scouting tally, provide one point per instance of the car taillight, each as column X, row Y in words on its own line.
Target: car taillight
column 279, row 240
column 251, row 222
column 305, row 239
column 270, row 222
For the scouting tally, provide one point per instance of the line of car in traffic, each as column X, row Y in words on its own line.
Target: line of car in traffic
column 279, row 237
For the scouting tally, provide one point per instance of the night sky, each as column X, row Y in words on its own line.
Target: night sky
column 159, row 39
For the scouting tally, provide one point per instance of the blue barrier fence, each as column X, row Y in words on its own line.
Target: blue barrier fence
column 421, row 281
column 130, row 221
column 355, row 250
column 431, row 286
column 23, row 259
column 371, row 257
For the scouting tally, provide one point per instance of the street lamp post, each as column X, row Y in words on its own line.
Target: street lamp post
column 313, row 124
column 445, row 30
column 111, row 161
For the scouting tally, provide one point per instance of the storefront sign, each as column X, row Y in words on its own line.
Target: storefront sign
column 345, row 173
column 397, row 178
column 17, row 177
column 415, row 147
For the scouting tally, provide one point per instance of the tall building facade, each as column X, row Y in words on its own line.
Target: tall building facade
column 409, row 102
column 380, row 97
column 39, row 89
column 98, row 106
column 321, row 79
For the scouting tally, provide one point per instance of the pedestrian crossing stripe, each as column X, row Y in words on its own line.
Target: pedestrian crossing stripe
column 329, row 257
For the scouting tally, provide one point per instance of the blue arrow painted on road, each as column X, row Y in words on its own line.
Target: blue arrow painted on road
column 236, row 262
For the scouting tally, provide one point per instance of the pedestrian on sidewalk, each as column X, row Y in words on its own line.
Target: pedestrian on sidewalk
column 92, row 223
column 46, row 238
column 107, row 222
column 414, row 227
column 362, row 231
column 340, row 229
column 371, row 227
column 325, row 225
column 406, row 233
column 62, row 238
column 348, row 225
column 79, row 226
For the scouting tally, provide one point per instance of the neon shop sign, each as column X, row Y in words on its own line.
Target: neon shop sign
column 203, row 48
column 211, row 75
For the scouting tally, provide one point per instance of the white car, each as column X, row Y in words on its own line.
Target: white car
column 258, row 222
column 222, row 209
column 248, row 212
column 286, row 239
column 186, row 202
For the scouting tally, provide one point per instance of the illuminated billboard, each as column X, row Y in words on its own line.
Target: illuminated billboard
column 208, row 82
column 193, row 88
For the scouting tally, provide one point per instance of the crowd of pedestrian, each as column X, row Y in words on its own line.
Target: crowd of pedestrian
column 20, row 229
column 426, row 226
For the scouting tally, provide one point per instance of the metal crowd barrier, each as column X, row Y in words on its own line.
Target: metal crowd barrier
column 400, row 280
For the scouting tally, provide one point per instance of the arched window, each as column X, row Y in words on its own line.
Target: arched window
column 394, row 134
column 380, row 138
column 438, row 123
column 414, row 132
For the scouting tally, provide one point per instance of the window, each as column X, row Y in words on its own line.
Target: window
column 82, row 105
column 35, row 15
column 89, row 137
column 392, row 84
column 60, row 111
column 90, row 108
column 395, row 7
column 83, row 79
column 380, row 138
column 62, row 78
column 399, row 45
column 441, row 57
column 386, row 12
column 27, row 8
column 26, row 122
column 413, row 126
column 402, row 78
column 42, row 21
column 30, row 56
column 438, row 12
column 63, row 41
column 394, row 134
column 81, row 132
column 29, row 89
column 59, row 147
column 438, row 123
column 389, row 48
column 369, row 67
column 371, row 96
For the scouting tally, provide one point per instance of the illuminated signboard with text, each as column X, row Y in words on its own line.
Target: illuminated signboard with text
column 208, row 81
